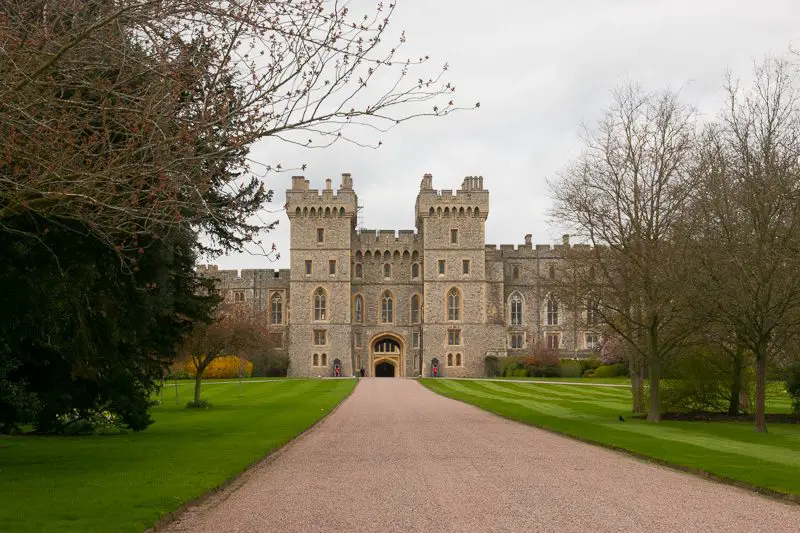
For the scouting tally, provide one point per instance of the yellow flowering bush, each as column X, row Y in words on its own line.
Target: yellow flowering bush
column 226, row 366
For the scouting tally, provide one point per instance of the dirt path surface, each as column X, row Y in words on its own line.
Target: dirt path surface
column 396, row 457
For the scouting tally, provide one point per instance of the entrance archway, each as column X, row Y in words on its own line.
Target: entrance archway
column 384, row 369
column 386, row 353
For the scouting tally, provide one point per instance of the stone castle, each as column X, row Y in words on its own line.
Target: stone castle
column 415, row 302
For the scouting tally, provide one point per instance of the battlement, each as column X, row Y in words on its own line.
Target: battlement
column 301, row 200
column 471, row 200
column 366, row 237
column 247, row 276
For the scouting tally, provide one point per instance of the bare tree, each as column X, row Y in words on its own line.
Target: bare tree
column 748, row 210
column 626, row 195
column 134, row 116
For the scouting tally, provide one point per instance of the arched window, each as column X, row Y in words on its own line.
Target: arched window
column 387, row 308
column 552, row 272
column 415, row 270
column 516, row 309
column 552, row 311
column 592, row 312
column 320, row 311
column 359, row 310
column 453, row 304
column 359, row 270
column 277, row 309
column 387, row 270
column 324, row 360
column 415, row 309
column 315, row 361
column 449, row 359
column 458, row 359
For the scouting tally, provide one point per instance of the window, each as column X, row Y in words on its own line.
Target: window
column 465, row 266
column 517, row 341
column 315, row 360
column 357, row 339
column 458, row 359
column 319, row 305
column 359, row 309
column 453, row 236
column 453, row 305
column 359, row 270
column 454, row 337
column 552, row 341
column 319, row 337
column 415, row 270
column 387, row 270
column 516, row 309
column 449, row 359
column 324, row 360
column 441, row 267
column 320, row 235
column 332, row 267
column 387, row 308
column 551, row 272
column 552, row 312
column 515, row 272
column 415, row 340
column 277, row 309
column 415, row 309
column 592, row 273
column 238, row 296
column 592, row 313
column 308, row 267
column 592, row 341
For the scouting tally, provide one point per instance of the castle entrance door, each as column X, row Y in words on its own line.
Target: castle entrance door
column 387, row 356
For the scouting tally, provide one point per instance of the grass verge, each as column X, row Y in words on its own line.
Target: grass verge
column 128, row 481
column 730, row 451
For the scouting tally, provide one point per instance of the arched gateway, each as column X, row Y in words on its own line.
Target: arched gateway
column 386, row 352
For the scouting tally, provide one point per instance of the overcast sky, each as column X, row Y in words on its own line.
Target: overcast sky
column 539, row 69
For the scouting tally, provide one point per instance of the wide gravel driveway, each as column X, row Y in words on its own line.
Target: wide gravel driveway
column 395, row 457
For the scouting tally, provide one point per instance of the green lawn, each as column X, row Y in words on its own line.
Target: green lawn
column 126, row 482
column 728, row 450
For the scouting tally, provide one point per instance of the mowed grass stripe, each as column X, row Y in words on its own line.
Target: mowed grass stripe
column 729, row 450
column 126, row 481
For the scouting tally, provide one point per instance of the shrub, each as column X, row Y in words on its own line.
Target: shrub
column 699, row 384
column 793, row 386
column 590, row 363
column 202, row 404
column 607, row 371
column 569, row 368
column 271, row 364
column 228, row 366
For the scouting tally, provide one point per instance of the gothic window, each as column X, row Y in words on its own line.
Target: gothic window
column 238, row 296
column 552, row 341
column 517, row 341
column 441, row 267
column 449, row 359
column 465, row 266
column 453, row 304
column 359, row 270
column 319, row 337
column 308, row 267
column 516, row 309
column 324, row 360
column 320, row 310
column 458, row 359
column 415, row 309
column 332, row 267
column 387, row 308
column 515, row 272
column 552, row 311
column 277, row 309
column 357, row 339
column 387, row 270
column 592, row 313
column 415, row 270
column 592, row 341
column 359, row 310
column 315, row 360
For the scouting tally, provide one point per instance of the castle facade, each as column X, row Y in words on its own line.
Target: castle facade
column 415, row 302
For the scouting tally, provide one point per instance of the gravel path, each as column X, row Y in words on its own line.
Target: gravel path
column 396, row 457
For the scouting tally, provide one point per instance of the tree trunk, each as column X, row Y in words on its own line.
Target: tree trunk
column 654, row 378
column 736, row 383
column 637, row 385
column 198, row 379
column 761, row 389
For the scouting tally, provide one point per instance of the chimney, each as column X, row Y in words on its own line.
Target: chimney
column 528, row 239
column 328, row 184
column 565, row 239
column 298, row 183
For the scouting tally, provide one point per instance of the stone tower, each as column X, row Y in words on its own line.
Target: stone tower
column 321, row 228
column 455, row 329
